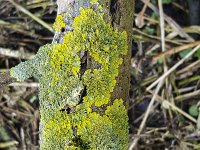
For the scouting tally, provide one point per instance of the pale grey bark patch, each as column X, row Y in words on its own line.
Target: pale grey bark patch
column 71, row 9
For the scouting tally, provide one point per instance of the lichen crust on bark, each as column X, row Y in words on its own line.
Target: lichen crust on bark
column 69, row 120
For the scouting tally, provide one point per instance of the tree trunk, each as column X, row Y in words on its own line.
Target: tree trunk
column 84, row 76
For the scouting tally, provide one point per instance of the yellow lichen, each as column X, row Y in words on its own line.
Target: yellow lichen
column 56, row 130
column 93, row 1
column 59, row 24
column 118, row 116
column 70, row 122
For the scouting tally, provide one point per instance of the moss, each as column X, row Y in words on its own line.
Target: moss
column 57, row 67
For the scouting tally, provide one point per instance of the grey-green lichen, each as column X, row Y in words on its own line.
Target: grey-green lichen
column 69, row 121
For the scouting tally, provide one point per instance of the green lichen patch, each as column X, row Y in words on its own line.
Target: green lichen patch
column 56, row 131
column 32, row 67
column 97, row 131
column 118, row 116
column 108, row 131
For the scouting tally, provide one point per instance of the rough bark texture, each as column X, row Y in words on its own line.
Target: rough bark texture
column 84, row 76
column 122, row 18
